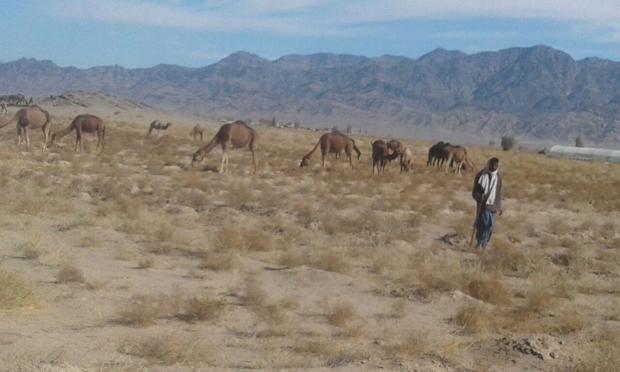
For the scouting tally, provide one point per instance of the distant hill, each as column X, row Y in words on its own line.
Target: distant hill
column 537, row 92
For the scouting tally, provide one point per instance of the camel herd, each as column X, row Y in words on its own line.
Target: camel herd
column 239, row 135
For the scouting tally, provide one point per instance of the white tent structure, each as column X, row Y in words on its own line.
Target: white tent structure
column 584, row 153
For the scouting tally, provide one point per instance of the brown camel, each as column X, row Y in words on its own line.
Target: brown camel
column 333, row 143
column 406, row 160
column 32, row 117
column 158, row 126
column 395, row 146
column 196, row 131
column 229, row 136
column 457, row 157
column 83, row 124
column 381, row 155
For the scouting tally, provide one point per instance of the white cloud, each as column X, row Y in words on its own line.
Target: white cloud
column 325, row 17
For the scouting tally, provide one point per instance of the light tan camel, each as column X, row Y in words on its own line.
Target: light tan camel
column 333, row 143
column 196, row 131
column 83, row 124
column 158, row 126
column 458, row 155
column 32, row 117
column 229, row 136
column 380, row 156
column 406, row 160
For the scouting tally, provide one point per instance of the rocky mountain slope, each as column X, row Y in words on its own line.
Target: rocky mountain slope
column 535, row 92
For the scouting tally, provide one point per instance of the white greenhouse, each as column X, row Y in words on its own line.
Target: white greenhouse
column 584, row 153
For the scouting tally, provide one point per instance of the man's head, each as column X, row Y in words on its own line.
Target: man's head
column 493, row 164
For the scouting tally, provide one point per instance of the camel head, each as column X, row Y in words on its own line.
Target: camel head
column 304, row 162
column 52, row 138
column 197, row 157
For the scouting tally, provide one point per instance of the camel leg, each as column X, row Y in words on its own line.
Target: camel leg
column 19, row 137
column 46, row 135
column 350, row 159
column 223, row 163
column 447, row 164
column 27, row 138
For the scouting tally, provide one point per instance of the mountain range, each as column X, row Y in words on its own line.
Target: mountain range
column 539, row 93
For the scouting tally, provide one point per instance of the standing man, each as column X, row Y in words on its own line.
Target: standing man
column 487, row 192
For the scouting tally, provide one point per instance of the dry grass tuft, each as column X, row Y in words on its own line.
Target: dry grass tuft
column 477, row 319
column 69, row 273
column 217, row 261
column 167, row 349
column 258, row 240
column 489, row 290
column 201, row 308
column 340, row 315
column 331, row 262
column 143, row 310
column 15, row 292
column 229, row 239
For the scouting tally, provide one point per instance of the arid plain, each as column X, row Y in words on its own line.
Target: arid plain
column 129, row 260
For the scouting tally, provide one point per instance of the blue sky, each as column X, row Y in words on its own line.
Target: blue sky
column 143, row 33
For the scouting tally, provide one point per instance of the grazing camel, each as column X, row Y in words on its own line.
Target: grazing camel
column 232, row 135
column 438, row 154
column 83, row 124
column 457, row 157
column 406, row 160
column 32, row 117
column 381, row 155
column 333, row 143
column 196, row 131
column 158, row 126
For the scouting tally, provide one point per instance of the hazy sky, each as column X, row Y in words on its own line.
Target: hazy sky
column 143, row 33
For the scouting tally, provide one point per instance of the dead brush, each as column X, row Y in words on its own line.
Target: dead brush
column 340, row 314
column 69, row 273
column 331, row 261
column 168, row 349
column 15, row 291
column 489, row 289
column 30, row 250
column 558, row 227
column 505, row 257
column 477, row 319
column 537, row 300
column 229, row 239
column 217, row 261
column 200, row 308
column 144, row 310
column 258, row 240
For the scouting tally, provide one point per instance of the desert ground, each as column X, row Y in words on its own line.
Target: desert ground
column 129, row 260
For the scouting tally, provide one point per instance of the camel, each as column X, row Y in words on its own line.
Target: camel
column 196, row 131
column 457, row 157
column 406, row 160
column 395, row 146
column 333, row 143
column 381, row 155
column 32, row 117
column 229, row 136
column 437, row 154
column 83, row 124
column 158, row 126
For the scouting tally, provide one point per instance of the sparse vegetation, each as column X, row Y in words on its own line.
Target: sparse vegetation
column 306, row 267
